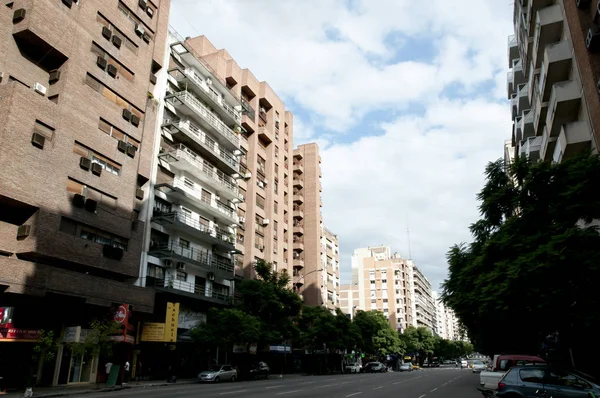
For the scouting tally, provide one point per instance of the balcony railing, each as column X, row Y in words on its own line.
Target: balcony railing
column 193, row 288
column 263, row 116
column 200, row 257
column 205, row 113
column 197, row 193
column 183, row 218
column 250, row 112
column 207, row 142
column 218, row 100
column 181, row 152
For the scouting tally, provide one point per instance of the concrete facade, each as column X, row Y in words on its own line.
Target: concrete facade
column 554, row 61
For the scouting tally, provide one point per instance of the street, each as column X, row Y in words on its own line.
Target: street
column 435, row 383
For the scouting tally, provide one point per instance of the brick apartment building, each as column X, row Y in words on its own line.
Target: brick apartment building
column 554, row 57
column 77, row 124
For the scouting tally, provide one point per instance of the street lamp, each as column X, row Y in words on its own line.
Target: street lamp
column 308, row 273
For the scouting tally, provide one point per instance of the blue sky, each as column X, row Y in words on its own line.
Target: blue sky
column 406, row 102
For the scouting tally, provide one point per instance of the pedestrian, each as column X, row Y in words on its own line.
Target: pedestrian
column 127, row 372
column 108, row 367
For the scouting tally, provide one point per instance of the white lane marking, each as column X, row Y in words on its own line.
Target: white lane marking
column 328, row 385
column 288, row 392
column 433, row 390
column 353, row 394
column 377, row 388
column 422, row 395
column 308, row 382
column 330, row 379
column 268, row 388
column 232, row 392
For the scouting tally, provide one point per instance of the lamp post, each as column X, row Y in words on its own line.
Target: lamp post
column 308, row 273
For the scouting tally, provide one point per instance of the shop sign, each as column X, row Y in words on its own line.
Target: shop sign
column 71, row 334
column 153, row 332
column 19, row 335
column 171, row 322
column 190, row 319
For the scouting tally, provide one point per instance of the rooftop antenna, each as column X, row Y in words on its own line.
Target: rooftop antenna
column 408, row 237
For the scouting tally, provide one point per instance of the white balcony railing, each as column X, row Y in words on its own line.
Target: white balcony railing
column 217, row 99
column 215, row 204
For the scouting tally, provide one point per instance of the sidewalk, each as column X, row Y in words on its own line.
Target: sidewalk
column 65, row 391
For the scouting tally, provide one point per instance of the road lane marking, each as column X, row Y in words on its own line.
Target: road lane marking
column 433, row 390
column 330, row 379
column 288, row 392
column 377, row 388
column 232, row 392
column 308, row 382
column 353, row 394
column 422, row 395
column 328, row 385
column 281, row 385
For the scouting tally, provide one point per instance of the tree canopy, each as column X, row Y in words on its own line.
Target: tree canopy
column 418, row 340
column 377, row 337
column 533, row 266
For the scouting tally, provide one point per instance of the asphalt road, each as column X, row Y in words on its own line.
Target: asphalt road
column 427, row 383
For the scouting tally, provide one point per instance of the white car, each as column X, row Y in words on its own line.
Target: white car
column 352, row 367
column 464, row 364
column 406, row 367
column 217, row 373
column 478, row 366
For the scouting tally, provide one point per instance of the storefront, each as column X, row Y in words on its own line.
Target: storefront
column 72, row 368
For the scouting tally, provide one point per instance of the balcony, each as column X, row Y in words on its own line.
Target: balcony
column 523, row 98
column 558, row 60
column 298, row 198
column 182, row 158
column 199, row 291
column 265, row 136
column 187, row 104
column 330, row 269
column 198, row 85
column 298, row 279
column 262, row 115
column 526, row 124
column 192, row 195
column 530, row 148
column 574, row 138
column 531, row 10
column 330, row 286
column 248, row 110
column 518, row 74
column 298, row 167
column 513, row 107
column 298, row 245
column 513, row 49
column 563, row 106
column 298, row 262
column 185, row 223
column 548, row 145
column 510, row 89
column 200, row 258
column 298, row 213
column 540, row 110
column 193, row 137
column 548, row 29
column 298, row 183
column 298, row 229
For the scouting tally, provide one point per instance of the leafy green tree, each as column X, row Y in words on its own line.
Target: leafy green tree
column 377, row 337
column 318, row 328
column 419, row 340
column 534, row 256
column 98, row 340
column 227, row 326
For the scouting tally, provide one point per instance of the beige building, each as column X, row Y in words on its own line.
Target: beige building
column 552, row 83
column 424, row 301
column 223, row 183
column 316, row 249
column 384, row 284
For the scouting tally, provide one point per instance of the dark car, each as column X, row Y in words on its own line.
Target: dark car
column 374, row 367
column 259, row 369
column 545, row 381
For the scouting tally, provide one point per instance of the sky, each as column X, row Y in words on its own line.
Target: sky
column 406, row 99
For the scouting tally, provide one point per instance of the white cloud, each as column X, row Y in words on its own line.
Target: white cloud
column 338, row 64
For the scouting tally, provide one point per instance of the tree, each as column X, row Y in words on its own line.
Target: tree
column 419, row 340
column 377, row 337
column 98, row 340
column 227, row 326
column 533, row 256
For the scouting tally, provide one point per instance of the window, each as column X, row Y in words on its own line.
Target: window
column 244, row 157
column 116, row 133
column 259, row 241
column 260, row 201
column 258, row 224
column 122, row 70
column 276, row 168
column 185, row 244
column 181, row 276
column 90, row 233
column 116, row 32
column 242, row 192
column 276, row 151
column 206, row 196
column 240, row 237
column 188, row 183
column 136, row 21
column 43, row 129
column 532, row 375
column 107, row 164
column 74, row 186
column 112, row 96
column 261, row 165
column 275, row 230
column 275, row 186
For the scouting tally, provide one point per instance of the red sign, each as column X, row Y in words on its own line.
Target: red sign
column 23, row 335
column 122, row 314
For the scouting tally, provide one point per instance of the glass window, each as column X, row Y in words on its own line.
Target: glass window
column 532, row 375
column 181, row 276
column 260, row 201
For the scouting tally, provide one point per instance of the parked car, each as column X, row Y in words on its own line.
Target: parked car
column 353, row 368
column 545, row 381
column 464, row 363
column 502, row 363
column 406, row 367
column 375, row 367
column 260, row 369
column 217, row 373
column 478, row 366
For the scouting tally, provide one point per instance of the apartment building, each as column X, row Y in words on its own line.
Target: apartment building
column 447, row 322
column 424, row 302
column 383, row 285
column 552, row 83
column 349, row 299
column 330, row 263
column 77, row 122
column 222, row 189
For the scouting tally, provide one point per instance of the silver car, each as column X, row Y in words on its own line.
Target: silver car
column 478, row 366
column 406, row 367
column 217, row 373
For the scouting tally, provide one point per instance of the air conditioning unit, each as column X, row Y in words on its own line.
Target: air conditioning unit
column 23, row 231
column 38, row 140
column 117, row 41
column 101, row 62
column 150, row 11
column 139, row 30
column 122, row 146
column 139, row 193
column 237, row 152
column 135, row 120
column 265, row 221
column 127, row 114
column 248, row 175
column 111, row 70
column 592, row 40
column 265, row 182
column 261, row 184
column 208, row 81
column 210, row 276
column 19, row 15
column 181, row 266
column 242, row 220
column 39, row 88
column 97, row 169
column 146, row 37
column 79, row 200
column 85, row 163
column 91, row 205
column 261, row 248
column 142, row 3
column 168, row 263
